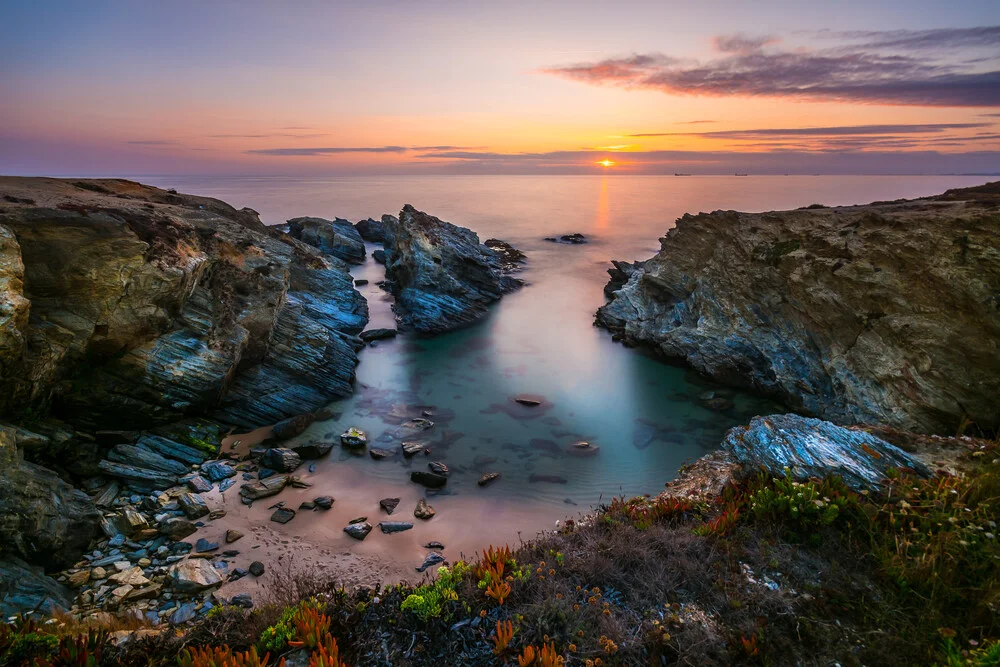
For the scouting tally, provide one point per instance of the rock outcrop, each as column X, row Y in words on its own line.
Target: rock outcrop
column 129, row 305
column 886, row 313
column 803, row 447
column 377, row 231
column 335, row 237
column 442, row 277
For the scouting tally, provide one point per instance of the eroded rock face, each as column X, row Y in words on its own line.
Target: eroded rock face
column 43, row 519
column 139, row 306
column 806, row 447
column 443, row 278
column 886, row 313
column 24, row 588
column 336, row 237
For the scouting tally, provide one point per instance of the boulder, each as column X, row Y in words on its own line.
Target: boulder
column 193, row 505
column 337, row 237
column 281, row 459
column 876, row 314
column 431, row 480
column 359, row 530
column 379, row 256
column 376, row 231
column 193, row 575
column 353, row 437
column 423, row 510
column 293, row 426
column 25, row 588
column 314, row 449
column 177, row 528
column 442, row 277
column 377, row 334
column 809, row 447
column 394, row 526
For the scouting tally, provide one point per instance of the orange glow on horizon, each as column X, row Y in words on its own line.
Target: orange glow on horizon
column 606, row 163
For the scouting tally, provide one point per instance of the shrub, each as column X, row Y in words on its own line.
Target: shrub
column 430, row 600
column 222, row 657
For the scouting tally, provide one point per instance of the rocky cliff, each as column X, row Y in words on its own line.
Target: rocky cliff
column 443, row 278
column 885, row 313
column 129, row 305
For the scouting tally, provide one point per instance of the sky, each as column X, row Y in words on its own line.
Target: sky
column 136, row 87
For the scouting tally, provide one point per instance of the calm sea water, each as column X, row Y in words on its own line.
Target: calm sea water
column 646, row 416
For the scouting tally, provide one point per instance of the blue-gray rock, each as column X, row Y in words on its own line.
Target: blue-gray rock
column 809, row 447
column 226, row 483
column 184, row 613
column 377, row 334
column 281, row 459
column 442, row 277
column 376, row 231
column 216, row 471
column 379, row 256
column 432, row 559
column 359, row 530
column 204, row 546
column 293, row 426
column 25, row 588
column 193, row 505
column 389, row 527
column 877, row 314
column 198, row 483
column 337, row 237
column 242, row 600
column 256, row 568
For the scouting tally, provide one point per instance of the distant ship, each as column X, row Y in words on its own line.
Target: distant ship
column 676, row 174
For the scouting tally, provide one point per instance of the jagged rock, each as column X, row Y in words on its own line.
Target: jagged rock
column 336, row 237
column 293, row 426
column 194, row 575
column 314, row 449
column 130, row 522
column 620, row 272
column 389, row 504
column 412, row 447
column 377, row 334
column 394, row 526
column 198, row 484
column 358, row 531
column 232, row 535
column 265, row 488
column 379, row 453
column 884, row 313
column 42, row 518
column 193, row 505
column 379, row 256
column 438, row 467
column 440, row 274
column 423, row 510
column 177, row 528
column 140, row 457
column 216, row 471
column 324, row 502
column 283, row 515
column 137, row 478
column 432, row 559
column 281, row 459
column 173, row 304
column 203, row 546
column 25, row 588
column 376, row 231
column 488, row 477
column 814, row 448
column 431, row 480
column 133, row 576
column 256, row 568
column 353, row 437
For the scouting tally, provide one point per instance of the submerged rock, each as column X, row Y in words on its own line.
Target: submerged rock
column 443, row 278
column 377, row 334
column 354, row 438
column 337, row 237
column 488, row 478
column 575, row 238
column 431, row 480
column 814, row 448
column 884, row 313
column 423, row 510
column 293, row 426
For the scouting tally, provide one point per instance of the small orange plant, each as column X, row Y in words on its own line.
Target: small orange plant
column 750, row 645
column 543, row 657
column 721, row 524
column 499, row 591
column 327, row 654
column 310, row 627
column 505, row 632
column 223, row 656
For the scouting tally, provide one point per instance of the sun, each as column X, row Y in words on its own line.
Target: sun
column 606, row 163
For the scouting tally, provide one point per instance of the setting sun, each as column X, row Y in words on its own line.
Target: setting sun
column 606, row 163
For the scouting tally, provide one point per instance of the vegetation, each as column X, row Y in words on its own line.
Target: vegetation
column 773, row 571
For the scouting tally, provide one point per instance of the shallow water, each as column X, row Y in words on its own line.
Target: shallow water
column 645, row 416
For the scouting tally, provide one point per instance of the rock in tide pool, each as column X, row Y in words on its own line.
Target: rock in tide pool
column 314, row 449
column 394, row 526
column 431, row 480
column 530, row 400
column 857, row 314
column 412, row 447
column 423, row 510
column 572, row 239
column 389, row 504
column 283, row 515
column 268, row 487
column 336, row 237
column 378, row 453
column 377, row 334
column 438, row 467
column 281, row 459
column 488, row 477
column 443, row 278
column 194, row 575
column 815, row 448
column 353, row 437
column 583, row 448
column 431, row 560
column 293, row 426
column 358, row 531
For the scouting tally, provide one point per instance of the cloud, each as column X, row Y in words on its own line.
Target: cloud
column 152, row 142
column 328, row 151
column 840, row 130
column 442, row 148
column 921, row 40
column 694, row 122
column 871, row 73
column 265, row 135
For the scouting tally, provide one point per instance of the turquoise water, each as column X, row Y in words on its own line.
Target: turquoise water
column 645, row 416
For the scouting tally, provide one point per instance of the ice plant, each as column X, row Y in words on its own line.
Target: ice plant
column 505, row 632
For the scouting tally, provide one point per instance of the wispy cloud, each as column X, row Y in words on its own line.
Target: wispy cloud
column 695, row 122
column 335, row 150
column 894, row 67
column 152, row 142
column 840, row 130
column 266, row 135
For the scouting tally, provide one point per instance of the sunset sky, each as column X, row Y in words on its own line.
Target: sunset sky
column 297, row 88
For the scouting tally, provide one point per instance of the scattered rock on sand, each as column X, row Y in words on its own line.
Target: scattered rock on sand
column 431, row 480
column 232, row 535
column 423, row 510
column 324, row 502
column 358, row 531
column 389, row 504
column 256, row 568
column 281, row 459
column 262, row 489
column 488, row 477
column 191, row 576
column 431, row 560
column 283, row 515
column 204, row 546
column 394, row 526
column 434, row 545
column 353, row 437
